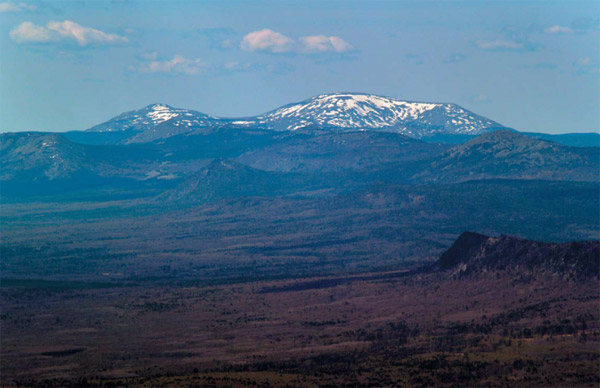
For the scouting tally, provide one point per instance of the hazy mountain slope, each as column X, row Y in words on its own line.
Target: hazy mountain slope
column 219, row 142
column 48, row 164
column 570, row 139
column 507, row 154
column 333, row 161
column 99, row 138
column 224, row 179
column 339, row 151
column 40, row 156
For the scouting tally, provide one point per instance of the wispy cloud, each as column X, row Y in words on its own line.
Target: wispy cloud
column 152, row 63
column 234, row 67
column 177, row 65
column 8, row 6
column 455, row 58
column 499, row 44
column 583, row 25
column 515, row 38
column 323, row 44
column 556, row 29
column 237, row 66
column 267, row 40
column 274, row 42
column 66, row 31
column 586, row 66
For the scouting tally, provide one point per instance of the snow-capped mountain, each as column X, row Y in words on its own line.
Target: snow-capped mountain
column 153, row 115
column 336, row 111
column 372, row 112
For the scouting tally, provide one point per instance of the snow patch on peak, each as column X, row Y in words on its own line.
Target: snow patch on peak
column 149, row 117
column 360, row 111
column 350, row 110
column 343, row 111
column 160, row 113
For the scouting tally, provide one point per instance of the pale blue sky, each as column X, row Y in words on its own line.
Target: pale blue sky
column 533, row 66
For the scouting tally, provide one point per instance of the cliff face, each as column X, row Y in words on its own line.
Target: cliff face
column 473, row 252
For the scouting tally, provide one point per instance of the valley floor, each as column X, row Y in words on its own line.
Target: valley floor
column 295, row 290
column 377, row 329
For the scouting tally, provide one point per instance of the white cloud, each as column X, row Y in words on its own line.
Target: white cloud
column 177, row 65
column 267, row 40
column 322, row 44
column 7, row 6
column 28, row 32
column 499, row 44
column 556, row 29
column 275, row 42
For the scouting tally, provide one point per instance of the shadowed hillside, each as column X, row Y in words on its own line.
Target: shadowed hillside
column 473, row 252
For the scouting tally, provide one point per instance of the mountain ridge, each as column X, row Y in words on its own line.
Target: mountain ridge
column 333, row 111
column 223, row 178
column 474, row 252
column 370, row 111
column 511, row 154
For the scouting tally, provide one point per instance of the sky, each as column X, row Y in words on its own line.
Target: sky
column 530, row 65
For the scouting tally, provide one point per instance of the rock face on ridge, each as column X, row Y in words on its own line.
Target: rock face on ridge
column 473, row 252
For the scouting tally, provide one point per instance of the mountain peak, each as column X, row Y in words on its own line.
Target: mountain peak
column 369, row 111
column 160, row 113
column 153, row 115
column 157, row 106
column 338, row 111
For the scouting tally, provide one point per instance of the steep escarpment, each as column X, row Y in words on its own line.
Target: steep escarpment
column 474, row 252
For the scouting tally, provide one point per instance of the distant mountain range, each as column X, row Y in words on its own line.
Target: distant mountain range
column 330, row 143
column 187, row 185
column 224, row 163
column 340, row 111
column 434, row 122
